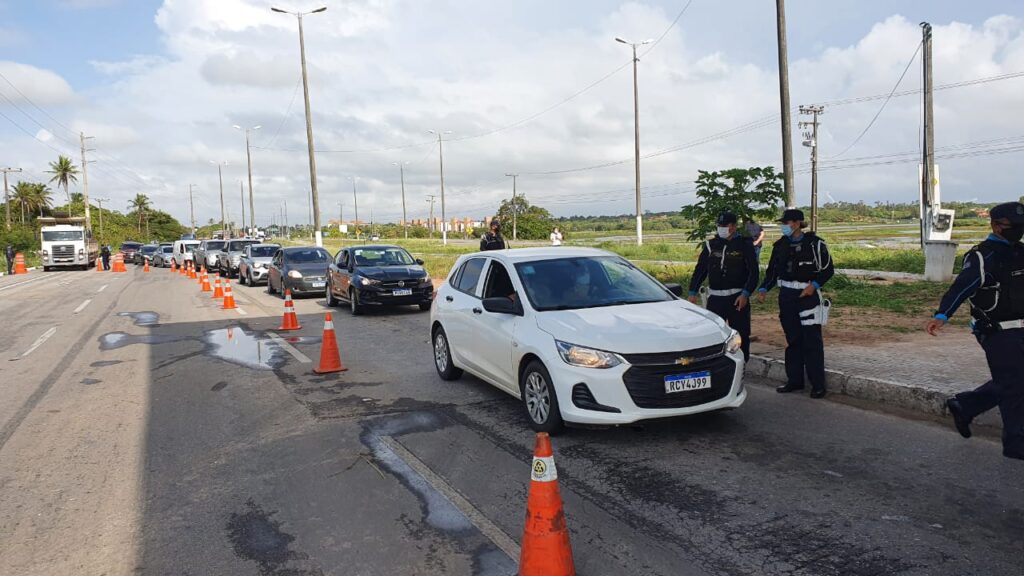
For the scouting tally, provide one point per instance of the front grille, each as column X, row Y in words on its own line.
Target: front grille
column 65, row 251
column 646, row 384
column 391, row 284
column 670, row 358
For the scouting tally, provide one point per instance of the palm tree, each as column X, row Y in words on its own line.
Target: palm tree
column 41, row 197
column 139, row 204
column 64, row 173
column 23, row 192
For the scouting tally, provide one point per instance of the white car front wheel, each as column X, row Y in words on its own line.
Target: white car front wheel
column 540, row 400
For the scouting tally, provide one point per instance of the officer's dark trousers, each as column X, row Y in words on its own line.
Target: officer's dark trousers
column 805, row 349
column 106, row 262
column 1004, row 351
column 739, row 320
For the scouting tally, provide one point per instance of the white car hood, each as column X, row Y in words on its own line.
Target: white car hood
column 670, row 326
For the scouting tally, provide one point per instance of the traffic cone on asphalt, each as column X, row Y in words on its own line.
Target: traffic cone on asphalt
column 19, row 264
column 290, row 320
column 229, row 299
column 206, row 283
column 174, row 266
column 199, row 276
column 330, row 358
column 192, row 271
column 99, row 265
column 545, row 545
column 218, row 292
column 119, row 263
column 145, row 266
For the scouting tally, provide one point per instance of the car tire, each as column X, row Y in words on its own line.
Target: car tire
column 241, row 279
column 270, row 286
column 425, row 306
column 332, row 302
column 248, row 277
column 353, row 300
column 540, row 402
column 443, row 357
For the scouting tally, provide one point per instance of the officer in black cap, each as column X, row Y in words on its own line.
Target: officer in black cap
column 492, row 240
column 992, row 280
column 800, row 264
column 729, row 263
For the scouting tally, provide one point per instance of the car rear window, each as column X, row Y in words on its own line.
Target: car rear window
column 130, row 246
column 263, row 251
column 215, row 245
column 307, row 255
column 470, row 275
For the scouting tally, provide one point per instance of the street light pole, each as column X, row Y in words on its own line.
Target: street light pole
column 248, row 158
column 7, row 195
column 440, row 154
column 355, row 202
column 787, row 137
column 515, row 210
column 241, row 191
column 192, row 209
column 100, row 201
column 220, row 177
column 636, row 137
column 315, row 197
column 405, row 221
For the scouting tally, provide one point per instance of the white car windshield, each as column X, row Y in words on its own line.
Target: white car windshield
column 239, row 245
column 587, row 282
column 263, row 251
column 382, row 257
column 210, row 246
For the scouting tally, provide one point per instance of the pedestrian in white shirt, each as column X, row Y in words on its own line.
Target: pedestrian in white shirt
column 556, row 238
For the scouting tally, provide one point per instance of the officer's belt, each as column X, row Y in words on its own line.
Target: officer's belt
column 795, row 285
column 1011, row 324
column 729, row 292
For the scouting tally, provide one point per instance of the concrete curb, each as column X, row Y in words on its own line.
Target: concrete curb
column 893, row 394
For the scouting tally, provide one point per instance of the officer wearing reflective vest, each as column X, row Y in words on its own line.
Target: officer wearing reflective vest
column 992, row 280
column 729, row 263
column 800, row 264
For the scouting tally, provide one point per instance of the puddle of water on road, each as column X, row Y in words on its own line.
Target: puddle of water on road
column 115, row 340
column 237, row 346
column 89, row 381
column 102, row 363
column 143, row 318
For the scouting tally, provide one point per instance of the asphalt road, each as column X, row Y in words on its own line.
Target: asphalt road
column 145, row 431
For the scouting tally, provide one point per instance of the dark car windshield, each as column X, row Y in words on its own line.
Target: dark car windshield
column 215, row 245
column 130, row 246
column 587, row 282
column 167, row 249
column 307, row 255
column 382, row 257
column 263, row 251
column 239, row 245
column 148, row 249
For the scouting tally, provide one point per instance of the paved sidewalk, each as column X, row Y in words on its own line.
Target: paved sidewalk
column 917, row 373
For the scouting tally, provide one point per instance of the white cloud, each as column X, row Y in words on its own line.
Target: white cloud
column 384, row 71
column 41, row 86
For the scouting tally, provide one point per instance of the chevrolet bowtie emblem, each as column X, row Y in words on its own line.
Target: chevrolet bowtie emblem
column 684, row 361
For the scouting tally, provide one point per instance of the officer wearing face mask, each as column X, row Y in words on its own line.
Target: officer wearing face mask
column 800, row 265
column 992, row 280
column 729, row 263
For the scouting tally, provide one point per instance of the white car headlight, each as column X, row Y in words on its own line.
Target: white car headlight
column 294, row 274
column 734, row 342
column 586, row 357
column 368, row 281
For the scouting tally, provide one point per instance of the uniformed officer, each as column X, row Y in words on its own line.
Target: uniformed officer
column 729, row 263
column 992, row 280
column 493, row 240
column 800, row 264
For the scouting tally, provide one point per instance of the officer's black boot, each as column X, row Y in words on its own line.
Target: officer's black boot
column 960, row 420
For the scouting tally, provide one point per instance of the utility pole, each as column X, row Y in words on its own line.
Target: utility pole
column 811, row 141
column 515, row 210
column 241, row 190
column 248, row 157
column 405, row 221
column 928, row 147
column 220, row 176
column 315, row 197
column 7, row 195
column 288, row 233
column 430, row 223
column 636, row 137
column 787, row 136
column 191, row 209
column 440, row 155
column 341, row 216
column 100, row 201
column 355, row 202
column 85, row 181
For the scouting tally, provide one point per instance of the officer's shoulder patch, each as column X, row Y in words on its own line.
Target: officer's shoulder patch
column 967, row 264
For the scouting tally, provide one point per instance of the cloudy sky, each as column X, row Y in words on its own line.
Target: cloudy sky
column 533, row 87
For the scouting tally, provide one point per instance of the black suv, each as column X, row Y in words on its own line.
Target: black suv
column 378, row 276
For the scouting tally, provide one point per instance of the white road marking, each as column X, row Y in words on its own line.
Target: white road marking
column 486, row 527
column 242, row 312
column 102, row 288
column 82, row 306
column 22, row 283
column 39, row 341
column 289, row 348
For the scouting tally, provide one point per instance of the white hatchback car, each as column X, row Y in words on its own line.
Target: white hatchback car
column 582, row 335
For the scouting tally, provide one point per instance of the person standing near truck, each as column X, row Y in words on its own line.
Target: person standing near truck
column 9, row 253
column 105, row 254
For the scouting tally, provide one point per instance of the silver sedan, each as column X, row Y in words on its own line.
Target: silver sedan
column 255, row 261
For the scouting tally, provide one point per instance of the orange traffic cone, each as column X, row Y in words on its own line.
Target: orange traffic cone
column 99, row 265
column 19, row 264
column 174, row 266
column 145, row 266
column 206, row 283
column 119, row 263
column 192, row 271
column 330, row 358
column 218, row 292
column 291, row 320
column 229, row 299
column 545, row 546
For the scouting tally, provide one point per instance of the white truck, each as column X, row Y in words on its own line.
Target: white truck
column 66, row 243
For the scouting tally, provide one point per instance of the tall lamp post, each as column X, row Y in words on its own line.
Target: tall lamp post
column 248, row 158
column 401, row 172
column 220, row 176
column 440, row 154
column 315, row 197
column 355, row 203
column 515, row 211
column 636, row 136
